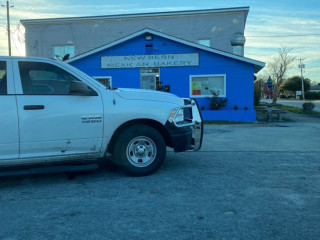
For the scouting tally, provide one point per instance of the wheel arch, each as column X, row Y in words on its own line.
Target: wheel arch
column 149, row 122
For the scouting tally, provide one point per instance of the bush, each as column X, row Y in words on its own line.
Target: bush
column 312, row 95
column 257, row 96
column 294, row 84
column 217, row 102
column 308, row 106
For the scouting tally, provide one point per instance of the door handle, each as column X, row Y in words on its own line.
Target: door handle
column 33, row 107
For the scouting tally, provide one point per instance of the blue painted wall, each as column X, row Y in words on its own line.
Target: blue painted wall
column 239, row 75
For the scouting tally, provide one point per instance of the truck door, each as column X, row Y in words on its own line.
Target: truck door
column 59, row 115
column 9, row 135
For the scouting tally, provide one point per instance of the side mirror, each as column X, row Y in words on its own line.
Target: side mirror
column 81, row 89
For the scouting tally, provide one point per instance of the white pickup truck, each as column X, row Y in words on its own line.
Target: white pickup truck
column 52, row 113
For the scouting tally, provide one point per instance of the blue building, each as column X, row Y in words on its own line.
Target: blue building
column 153, row 60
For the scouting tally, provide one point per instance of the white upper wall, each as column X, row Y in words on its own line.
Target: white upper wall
column 87, row 33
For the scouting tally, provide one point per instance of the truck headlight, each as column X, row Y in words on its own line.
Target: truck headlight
column 180, row 116
column 177, row 115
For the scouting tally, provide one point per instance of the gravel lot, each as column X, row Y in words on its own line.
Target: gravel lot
column 232, row 189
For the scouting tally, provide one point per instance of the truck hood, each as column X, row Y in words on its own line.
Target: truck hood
column 148, row 95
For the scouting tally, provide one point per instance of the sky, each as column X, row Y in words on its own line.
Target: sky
column 270, row 24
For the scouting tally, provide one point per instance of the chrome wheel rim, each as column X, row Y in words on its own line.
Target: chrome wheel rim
column 141, row 151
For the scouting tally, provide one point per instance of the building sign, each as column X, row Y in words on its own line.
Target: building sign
column 196, row 88
column 149, row 61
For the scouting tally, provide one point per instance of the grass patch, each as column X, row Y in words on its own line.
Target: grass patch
column 259, row 107
column 296, row 110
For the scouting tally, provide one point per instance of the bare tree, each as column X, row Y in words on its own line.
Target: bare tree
column 280, row 65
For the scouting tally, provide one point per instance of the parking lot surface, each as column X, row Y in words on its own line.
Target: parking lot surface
column 250, row 181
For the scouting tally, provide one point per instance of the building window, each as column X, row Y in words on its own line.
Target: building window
column 202, row 85
column 149, row 49
column 60, row 51
column 205, row 42
column 106, row 80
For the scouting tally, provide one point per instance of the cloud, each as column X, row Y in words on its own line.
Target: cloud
column 269, row 29
column 266, row 23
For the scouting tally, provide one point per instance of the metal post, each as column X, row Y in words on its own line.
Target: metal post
column 301, row 66
column 302, row 86
column 8, row 28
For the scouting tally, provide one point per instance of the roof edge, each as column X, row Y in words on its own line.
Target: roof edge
column 134, row 15
column 258, row 65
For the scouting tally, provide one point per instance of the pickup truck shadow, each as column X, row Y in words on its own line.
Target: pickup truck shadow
column 17, row 176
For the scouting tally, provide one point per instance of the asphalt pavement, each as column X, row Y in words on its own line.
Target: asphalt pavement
column 249, row 181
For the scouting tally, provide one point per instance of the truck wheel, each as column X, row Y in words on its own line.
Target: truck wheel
column 140, row 149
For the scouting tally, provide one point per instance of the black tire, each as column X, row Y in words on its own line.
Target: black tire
column 140, row 150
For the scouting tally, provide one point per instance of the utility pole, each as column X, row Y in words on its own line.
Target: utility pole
column 301, row 66
column 8, row 26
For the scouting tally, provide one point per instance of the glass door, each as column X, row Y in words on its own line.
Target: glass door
column 148, row 78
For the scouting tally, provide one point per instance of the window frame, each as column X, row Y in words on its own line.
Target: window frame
column 208, row 76
column 63, row 46
column 4, row 85
column 103, row 77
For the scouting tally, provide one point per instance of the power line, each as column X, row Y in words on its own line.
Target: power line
column 8, row 23
column 16, row 30
column 14, row 42
column 15, row 12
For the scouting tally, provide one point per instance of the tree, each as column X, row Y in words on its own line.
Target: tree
column 313, row 83
column 258, row 85
column 293, row 84
column 279, row 67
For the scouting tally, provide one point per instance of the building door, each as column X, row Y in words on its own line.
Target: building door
column 148, row 78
